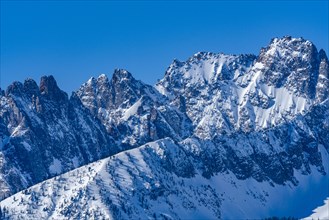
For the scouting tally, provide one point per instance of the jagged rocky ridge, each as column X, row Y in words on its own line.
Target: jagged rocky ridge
column 261, row 117
column 45, row 133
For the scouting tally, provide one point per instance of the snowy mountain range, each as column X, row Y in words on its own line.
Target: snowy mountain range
column 220, row 136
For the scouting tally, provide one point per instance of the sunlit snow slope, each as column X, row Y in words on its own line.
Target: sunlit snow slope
column 158, row 180
column 322, row 212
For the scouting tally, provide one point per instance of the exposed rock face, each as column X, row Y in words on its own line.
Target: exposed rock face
column 262, row 117
column 45, row 134
column 292, row 63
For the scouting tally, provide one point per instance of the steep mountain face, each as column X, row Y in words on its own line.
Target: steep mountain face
column 248, row 93
column 161, row 180
column 292, row 64
column 45, row 134
column 217, row 133
column 236, row 101
column 133, row 112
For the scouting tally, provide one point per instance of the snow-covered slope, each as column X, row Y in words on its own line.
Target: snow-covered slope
column 159, row 180
column 321, row 213
column 132, row 112
column 44, row 133
column 226, row 132
column 246, row 92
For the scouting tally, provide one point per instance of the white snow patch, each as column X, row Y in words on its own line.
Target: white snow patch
column 132, row 110
column 75, row 162
column 55, row 167
column 27, row 146
column 320, row 213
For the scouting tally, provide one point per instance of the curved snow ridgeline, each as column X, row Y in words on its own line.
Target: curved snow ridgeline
column 157, row 180
column 322, row 212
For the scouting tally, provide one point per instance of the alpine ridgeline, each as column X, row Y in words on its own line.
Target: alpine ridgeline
column 220, row 136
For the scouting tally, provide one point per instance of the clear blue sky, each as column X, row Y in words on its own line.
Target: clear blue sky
column 74, row 40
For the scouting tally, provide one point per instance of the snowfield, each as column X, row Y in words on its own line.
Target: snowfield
column 136, row 184
column 322, row 212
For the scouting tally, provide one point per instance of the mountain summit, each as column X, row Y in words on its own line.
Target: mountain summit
column 217, row 133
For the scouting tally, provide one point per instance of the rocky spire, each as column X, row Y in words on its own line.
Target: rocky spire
column 292, row 63
column 16, row 88
column 31, row 87
column 48, row 88
column 120, row 75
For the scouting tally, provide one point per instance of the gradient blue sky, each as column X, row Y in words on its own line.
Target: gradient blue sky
column 74, row 40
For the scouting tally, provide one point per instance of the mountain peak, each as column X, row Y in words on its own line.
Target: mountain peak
column 15, row 88
column 286, row 61
column 30, row 86
column 199, row 55
column 204, row 68
column 289, row 43
column 47, row 84
column 48, row 87
column 120, row 75
column 288, row 38
column 322, row 55
column 90, row 81
column 102, row 77
column 202, row 55
column 229, row 131
column 177, row 63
